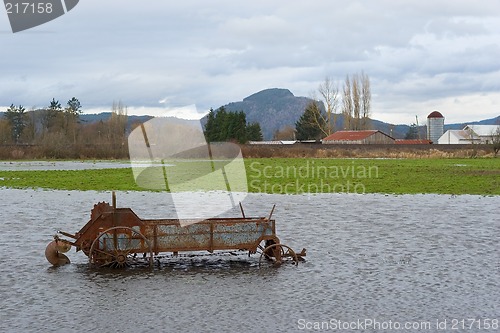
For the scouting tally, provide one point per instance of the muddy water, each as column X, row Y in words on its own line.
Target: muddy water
column 386, row 260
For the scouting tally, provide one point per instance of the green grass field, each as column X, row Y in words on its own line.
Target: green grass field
column 297, row 175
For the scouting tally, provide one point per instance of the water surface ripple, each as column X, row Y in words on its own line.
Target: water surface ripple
column 398, row 258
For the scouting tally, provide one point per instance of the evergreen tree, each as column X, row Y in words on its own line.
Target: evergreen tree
column 17, row 120
column 71, row 117
column 222, row 124
column 210, row 127
column 230, row 126
column 311, row 124
column 52, row 115
column 55, row 105
column 238, row 125
column 412, row 132
column 74, row 107
column 254, row 132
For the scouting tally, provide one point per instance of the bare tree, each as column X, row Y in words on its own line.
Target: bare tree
column 118, row 123
column 356, row 101
column 5, row 131
column 347, row 107
column 366, row 97
column 495, row 140
column 329, row 92
column 286, row 133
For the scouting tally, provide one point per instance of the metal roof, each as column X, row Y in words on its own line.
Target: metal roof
column 483, row 130
column 435, row 114
column 461, row 134
column 350, row 135
column 413, row 142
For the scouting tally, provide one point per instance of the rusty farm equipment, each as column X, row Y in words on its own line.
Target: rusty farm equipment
column 118, row 238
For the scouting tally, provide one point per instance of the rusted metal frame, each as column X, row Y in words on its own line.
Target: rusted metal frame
column 302, row 253
column 155, row 239
column 211, row 237
column 62, row 240
column 115, row 224
column 90, row 224
column 268, row 225
column 210, row 246
column 242, row 211
column 271, row 214
column 145, row 244
column 150, row 232
column 66, row 234
column 252, row 246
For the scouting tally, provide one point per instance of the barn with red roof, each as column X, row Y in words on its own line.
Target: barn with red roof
column 359, row 137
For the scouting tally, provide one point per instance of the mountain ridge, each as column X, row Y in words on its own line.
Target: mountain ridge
column 273, row 109
column 264, row 107
column 276, row 108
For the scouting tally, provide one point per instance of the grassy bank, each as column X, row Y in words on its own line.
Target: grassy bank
column 298, row 175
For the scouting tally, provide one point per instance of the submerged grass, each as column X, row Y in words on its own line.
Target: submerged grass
column 83, row 180
column 298, row 175
column 399, row 176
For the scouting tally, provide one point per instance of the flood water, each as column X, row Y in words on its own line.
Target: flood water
column 425, row 260
column 61, row 165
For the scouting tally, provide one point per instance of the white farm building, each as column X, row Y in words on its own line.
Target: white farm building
column 471, row 134
column 485, row 132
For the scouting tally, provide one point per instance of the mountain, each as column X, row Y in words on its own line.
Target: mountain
column 459, row 126
column 103, row 116
column 276, row 108
column 273, row 109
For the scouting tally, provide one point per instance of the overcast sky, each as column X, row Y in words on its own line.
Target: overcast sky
column 156, row 55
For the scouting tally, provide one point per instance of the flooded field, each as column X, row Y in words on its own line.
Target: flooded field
column 420, row 263
column 61, row 165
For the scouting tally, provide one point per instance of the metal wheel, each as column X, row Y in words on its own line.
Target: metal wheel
column 117, row 247
column 277, row 253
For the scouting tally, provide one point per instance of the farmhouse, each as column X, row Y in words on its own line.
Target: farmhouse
column 471, row 134
column 358, row 137
column 456, row 137
column 486, row 133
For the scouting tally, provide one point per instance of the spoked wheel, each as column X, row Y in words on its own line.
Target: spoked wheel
column 277, row 254
column 117, row 247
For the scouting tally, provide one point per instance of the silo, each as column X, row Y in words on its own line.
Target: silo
column 435, row 126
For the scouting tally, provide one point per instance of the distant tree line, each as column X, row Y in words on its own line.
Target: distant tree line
column 58, row 131
column 412, row 133
column 496, row 140
column 230, row 126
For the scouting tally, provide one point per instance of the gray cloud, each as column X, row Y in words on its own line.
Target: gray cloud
column 418, row 54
